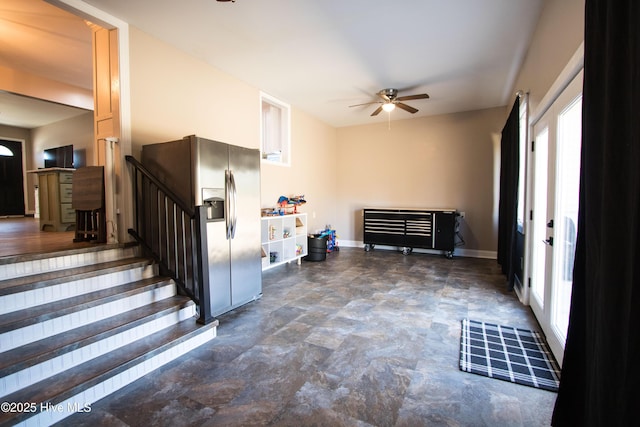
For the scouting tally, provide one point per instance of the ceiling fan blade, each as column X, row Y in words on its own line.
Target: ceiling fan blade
column 390, row 96
column 366, row 103
column 406, row 107
column 410, row 97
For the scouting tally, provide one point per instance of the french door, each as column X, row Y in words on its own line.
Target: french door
column 555, row 187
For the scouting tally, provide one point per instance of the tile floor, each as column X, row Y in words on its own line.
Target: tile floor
column 361, row 339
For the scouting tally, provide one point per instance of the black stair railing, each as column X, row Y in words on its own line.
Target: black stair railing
column 173, row 234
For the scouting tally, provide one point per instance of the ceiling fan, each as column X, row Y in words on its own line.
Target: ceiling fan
column 391, row 100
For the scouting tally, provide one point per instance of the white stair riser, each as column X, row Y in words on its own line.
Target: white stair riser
column 27, row 268
column 48, row 368
column 97, row 392
column 31, row 333
column 47, row 294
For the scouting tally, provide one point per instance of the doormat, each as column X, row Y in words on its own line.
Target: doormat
column 510, row 354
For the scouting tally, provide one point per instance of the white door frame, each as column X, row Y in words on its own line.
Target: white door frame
column 575, row 65
column 124, row 205
column 573, row 68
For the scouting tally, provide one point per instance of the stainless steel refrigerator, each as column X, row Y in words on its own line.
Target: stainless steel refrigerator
column 226, row 179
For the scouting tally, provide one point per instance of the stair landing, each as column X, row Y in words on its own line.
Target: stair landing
column 21, row 236
column 120, row 321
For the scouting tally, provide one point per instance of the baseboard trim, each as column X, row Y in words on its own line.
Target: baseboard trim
column 459, row 252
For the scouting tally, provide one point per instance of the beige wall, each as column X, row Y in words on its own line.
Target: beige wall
column 312, row 171
column 440, row 161
column 76, row 131
column 559, row 33
column 450, row 160
column 15, row 133
column 174, row 95
column 445, row 161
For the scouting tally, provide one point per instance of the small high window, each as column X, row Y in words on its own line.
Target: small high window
column 275, row 130
column 4, row 151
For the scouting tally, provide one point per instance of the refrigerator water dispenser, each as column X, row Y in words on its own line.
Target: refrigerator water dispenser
column 213, row 199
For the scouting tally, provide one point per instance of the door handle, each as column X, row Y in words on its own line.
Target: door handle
column 234, row 196
column 227, row 204
column 549, row 241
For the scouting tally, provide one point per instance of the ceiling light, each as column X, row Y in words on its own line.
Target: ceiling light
column 388, row 107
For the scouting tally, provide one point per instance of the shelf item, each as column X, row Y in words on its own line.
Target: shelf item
column 411, row 228
column 284, row 239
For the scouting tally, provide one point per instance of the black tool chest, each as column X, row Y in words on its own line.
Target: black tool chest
column 410, row 228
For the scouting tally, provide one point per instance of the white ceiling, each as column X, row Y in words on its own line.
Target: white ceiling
column 42, row 40
column 323, row 55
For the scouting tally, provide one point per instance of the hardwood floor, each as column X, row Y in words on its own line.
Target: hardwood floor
column 21, row 236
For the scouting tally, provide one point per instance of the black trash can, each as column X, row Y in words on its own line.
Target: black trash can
column 317, row 248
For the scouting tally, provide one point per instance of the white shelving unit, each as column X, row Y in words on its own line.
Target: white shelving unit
column 284, row 239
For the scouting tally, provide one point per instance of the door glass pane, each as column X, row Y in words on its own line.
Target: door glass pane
column 567, row 189
column 540, row 215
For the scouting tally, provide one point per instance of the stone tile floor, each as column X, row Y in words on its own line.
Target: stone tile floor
column 361, row 339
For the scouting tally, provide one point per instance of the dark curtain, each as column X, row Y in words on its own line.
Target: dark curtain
column 508, row 204
column 600, row 383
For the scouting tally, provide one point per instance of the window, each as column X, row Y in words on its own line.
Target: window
column 275, row 133
column 4, row 151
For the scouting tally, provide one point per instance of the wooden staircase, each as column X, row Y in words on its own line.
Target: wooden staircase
column 78, row 325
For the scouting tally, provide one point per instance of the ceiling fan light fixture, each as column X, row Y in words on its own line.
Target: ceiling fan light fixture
column 390, row 100
column 388, row 107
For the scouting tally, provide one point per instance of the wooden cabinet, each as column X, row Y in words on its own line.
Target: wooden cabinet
column 55, row 190
column 284, row 239
column 411, row 228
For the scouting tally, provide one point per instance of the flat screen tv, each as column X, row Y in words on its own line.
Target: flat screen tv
column 59, row 157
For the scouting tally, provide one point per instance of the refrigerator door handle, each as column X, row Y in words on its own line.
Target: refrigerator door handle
column 234, row 192
column 227, row 208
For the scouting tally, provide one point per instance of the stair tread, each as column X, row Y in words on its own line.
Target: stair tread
column 35, row 281
column 21, row 318
column 36, row 352
column 37, row 256
column 60, row 387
